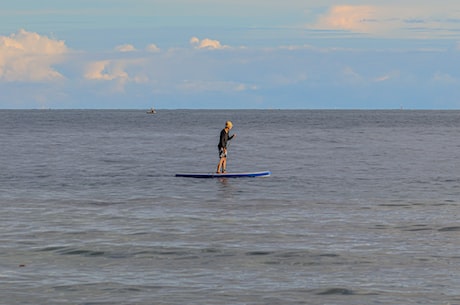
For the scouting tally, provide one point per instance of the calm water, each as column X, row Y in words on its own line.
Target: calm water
column 362, row 208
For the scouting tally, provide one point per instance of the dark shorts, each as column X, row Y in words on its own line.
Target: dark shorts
column 222, row 153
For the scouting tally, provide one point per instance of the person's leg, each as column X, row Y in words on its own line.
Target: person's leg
column 219, row 166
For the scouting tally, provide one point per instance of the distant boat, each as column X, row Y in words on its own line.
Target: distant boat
column 151, row 111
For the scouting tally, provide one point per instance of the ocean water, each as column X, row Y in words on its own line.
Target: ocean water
column 362, row 207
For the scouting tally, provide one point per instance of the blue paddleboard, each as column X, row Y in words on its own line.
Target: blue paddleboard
column 226, row 175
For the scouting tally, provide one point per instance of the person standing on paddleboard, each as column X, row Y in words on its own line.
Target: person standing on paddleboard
column 222, row 146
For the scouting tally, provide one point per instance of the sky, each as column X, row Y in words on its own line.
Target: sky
column 230, row 54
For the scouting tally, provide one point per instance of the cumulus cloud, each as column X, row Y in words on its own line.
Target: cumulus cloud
column 116, row 71
column 29, row 57
column 125, row 48
column 108, row 70
column 390, row 20
column 152, row 48
column 347, row 17
column 105, row 70
column 206, row 43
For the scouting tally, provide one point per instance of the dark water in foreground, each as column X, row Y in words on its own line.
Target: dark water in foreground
column 362, row 208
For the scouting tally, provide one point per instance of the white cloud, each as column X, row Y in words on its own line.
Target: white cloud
column 152, row 48
column 116, row 71
column 387, row 76
column 108, row 70
column 29, row 57
column 445, row 78
column 348, row 17
column 417, row 21
column 125, row 48
column 105, row 70
column 206, row 43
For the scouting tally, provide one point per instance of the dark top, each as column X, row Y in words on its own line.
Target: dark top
column 224, row 137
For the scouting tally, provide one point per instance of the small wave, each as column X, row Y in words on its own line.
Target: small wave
column 395, row 205
column 449, row 229
column 51, row 248
column 63, row 250
column 415, row 228
column 258, row 253
column 81, row 252
column 336, row 291
column 302, row 258
column 328, row 255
